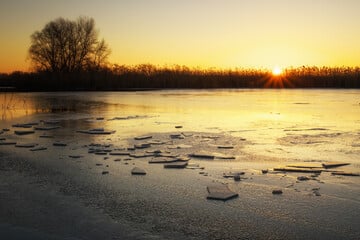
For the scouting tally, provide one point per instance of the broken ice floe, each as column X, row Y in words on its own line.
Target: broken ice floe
column 23, row 132
column 138, row 171
column 46, row 128
column 26, row 145
column 220, row 192
column 99, row 131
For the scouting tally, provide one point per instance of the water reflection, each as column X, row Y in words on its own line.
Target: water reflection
column 287, row 120
column 229, row 110
column 13, row 106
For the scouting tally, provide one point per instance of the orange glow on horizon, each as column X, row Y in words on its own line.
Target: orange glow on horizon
column 224, row 35
column 277, row 71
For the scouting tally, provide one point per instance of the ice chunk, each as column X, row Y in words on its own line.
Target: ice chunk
column 176, row 165
column 138, row 171
column 220, row 192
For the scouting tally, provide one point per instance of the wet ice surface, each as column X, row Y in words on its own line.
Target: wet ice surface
column 171, row 203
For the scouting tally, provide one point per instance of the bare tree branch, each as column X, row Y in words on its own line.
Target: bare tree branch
column 68, row 46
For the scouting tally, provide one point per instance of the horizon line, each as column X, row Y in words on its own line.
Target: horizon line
column 112, row 66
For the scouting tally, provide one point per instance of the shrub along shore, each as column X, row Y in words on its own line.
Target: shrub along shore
column 146, row 76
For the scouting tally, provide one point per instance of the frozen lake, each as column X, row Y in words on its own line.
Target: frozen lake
column 300, row 124
column 245, row 130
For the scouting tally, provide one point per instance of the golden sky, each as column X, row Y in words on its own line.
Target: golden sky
column 204, row 33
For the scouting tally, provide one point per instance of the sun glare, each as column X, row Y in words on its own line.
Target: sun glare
column 276, row 71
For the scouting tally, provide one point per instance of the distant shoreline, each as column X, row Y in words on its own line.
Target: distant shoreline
column 149, row 77
column 14, row 90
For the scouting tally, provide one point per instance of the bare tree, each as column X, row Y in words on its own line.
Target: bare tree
column 68, row 46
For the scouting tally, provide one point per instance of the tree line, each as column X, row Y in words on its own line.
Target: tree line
column 147, row 76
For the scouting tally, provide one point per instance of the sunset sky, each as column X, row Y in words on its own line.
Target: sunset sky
column 203, row 33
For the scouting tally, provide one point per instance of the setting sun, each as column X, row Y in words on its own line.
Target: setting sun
column 276, row 71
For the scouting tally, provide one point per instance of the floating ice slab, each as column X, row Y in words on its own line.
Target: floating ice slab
column 38, row 149
column 176, row 165
column 59, row 144
column 141, row 155
column 46, row 128
column 305, row 165
column 138, row 171
column 24, row 132
column 143, row 137
column 25, row 145
column 293, row 169
column 156, row 142
column 142, row 145
column 99, row 131
column 25, row 125
column 334, row 164
column 7, row 143
column 220, row 192
column 100, row 153
column 202, row 155
column 225, row 146
column 162, row 160
column 346, row 173
column 233, row 174
column 156, row 151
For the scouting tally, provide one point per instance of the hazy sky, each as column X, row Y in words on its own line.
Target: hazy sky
column 205, row 33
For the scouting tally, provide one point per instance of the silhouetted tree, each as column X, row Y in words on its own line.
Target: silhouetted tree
column 68, row 46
